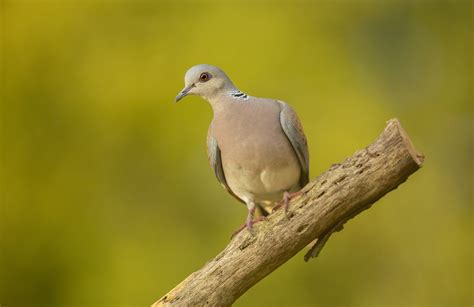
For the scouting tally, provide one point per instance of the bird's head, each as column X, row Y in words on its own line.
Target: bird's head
column 205, row 81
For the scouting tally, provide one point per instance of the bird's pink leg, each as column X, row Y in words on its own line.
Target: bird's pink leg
column 285, row 202
column 251, row 208
column 250, row 220
column 243, row 226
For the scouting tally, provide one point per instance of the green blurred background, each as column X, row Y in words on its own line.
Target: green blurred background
column 107, row 198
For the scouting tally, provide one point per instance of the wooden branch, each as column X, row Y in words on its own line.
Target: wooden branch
column 324, row 205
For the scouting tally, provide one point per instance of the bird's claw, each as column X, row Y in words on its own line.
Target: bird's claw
column 249, row 225
column 285, row 202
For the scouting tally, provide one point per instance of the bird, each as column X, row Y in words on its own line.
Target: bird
column 255, row 146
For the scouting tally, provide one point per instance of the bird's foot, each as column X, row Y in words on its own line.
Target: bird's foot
column 249, row 225
column 285, row 202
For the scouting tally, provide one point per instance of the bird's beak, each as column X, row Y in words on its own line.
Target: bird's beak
column 184, row 92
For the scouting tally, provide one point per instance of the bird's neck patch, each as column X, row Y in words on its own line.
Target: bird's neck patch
column 236, row 94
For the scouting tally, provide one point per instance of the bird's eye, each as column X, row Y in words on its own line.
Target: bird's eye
column 204, row 77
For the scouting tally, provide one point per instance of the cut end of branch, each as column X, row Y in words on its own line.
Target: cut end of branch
column 417, row 156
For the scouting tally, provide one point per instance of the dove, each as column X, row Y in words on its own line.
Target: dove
column 256, row 146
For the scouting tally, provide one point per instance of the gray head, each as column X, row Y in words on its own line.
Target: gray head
column 205, row 81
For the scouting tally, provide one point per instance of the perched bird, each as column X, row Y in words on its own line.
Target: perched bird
column 256, row 146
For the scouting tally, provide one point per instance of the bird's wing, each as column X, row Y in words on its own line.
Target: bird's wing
column 214, row 155
column 294, row 132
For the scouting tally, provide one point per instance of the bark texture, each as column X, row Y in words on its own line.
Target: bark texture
column 324, row 205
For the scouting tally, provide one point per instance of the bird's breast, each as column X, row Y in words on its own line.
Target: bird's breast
column 257, row 158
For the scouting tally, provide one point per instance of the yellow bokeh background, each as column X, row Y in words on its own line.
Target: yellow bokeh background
column 107, row 198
